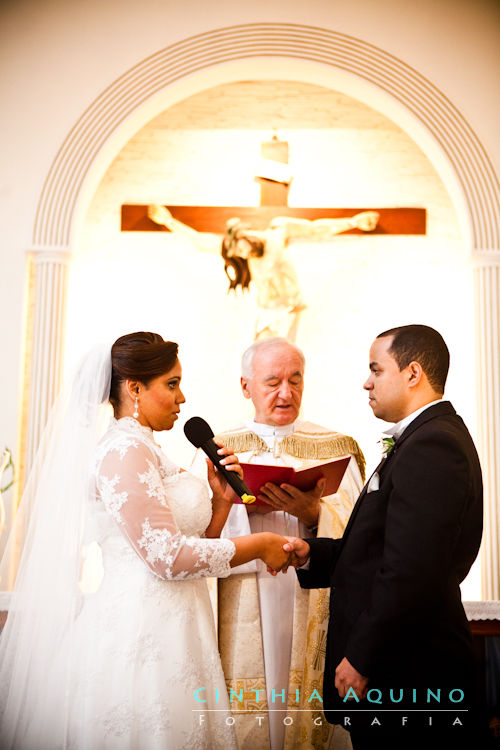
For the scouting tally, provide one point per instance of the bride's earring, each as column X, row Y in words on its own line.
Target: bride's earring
column 136, row 410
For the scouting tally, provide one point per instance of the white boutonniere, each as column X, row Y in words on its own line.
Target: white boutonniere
column 387, row 444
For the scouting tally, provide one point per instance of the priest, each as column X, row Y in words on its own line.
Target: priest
column 272, row 634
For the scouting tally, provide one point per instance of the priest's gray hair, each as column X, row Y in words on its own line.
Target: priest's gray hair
column 271, row 343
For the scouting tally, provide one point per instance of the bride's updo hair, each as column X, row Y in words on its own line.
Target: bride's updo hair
column 140, row 356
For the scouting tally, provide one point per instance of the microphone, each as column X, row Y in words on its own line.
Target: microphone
column 200, row 434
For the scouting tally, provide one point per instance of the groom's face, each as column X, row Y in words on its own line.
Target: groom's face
column 387, row 385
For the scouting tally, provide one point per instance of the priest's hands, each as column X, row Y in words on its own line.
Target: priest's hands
column 263, row 510
column 347, row 677
column 304, row 505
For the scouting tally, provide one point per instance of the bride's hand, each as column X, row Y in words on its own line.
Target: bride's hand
column 273, row 554
column 220, row 488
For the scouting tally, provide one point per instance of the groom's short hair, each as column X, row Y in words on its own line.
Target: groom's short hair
column 422, row 344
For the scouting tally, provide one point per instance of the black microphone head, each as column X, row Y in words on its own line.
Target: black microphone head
column 198, row 431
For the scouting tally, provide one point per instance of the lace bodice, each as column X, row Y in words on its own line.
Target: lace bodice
column 160, row 510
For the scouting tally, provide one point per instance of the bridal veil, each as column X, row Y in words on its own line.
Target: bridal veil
column 46, row 596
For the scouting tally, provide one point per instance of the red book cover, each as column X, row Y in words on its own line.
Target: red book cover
column 255, row 475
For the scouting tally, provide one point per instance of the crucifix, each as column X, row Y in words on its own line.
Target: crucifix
column 254, row 238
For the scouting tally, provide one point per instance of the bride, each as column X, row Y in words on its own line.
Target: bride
column 119, row 668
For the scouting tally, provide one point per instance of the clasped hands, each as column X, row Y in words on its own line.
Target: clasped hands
column 282, row 551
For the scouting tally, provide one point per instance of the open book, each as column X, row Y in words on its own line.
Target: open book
column 255, row 475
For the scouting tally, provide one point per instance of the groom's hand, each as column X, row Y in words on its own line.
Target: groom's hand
column 347, row 677
column 300, row 549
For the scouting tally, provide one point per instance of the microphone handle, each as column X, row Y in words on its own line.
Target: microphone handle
column 210, row 447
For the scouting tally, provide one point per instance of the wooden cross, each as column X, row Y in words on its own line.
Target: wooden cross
column 273, row 202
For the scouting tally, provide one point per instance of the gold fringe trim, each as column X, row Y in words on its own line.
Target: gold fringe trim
column 333, row 445
column 323, row 448
column 242, row 442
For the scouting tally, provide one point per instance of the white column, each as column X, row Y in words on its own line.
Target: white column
column 49, row 317
column 487, row 306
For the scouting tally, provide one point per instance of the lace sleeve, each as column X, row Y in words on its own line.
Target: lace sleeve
column 132, row 490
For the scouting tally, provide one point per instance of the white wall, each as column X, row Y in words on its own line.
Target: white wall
column 56, row 57
column 204, row 150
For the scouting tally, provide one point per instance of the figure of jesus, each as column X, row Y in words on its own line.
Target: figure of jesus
column 259, row 256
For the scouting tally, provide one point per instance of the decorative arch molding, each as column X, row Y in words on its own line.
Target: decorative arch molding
column 456, row 139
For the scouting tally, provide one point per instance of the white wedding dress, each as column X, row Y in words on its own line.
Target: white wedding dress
column 144, row 642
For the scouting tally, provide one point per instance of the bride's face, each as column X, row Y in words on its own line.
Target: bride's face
column 160, row 400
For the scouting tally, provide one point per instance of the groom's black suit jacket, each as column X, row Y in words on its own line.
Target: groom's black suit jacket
column 395, row 606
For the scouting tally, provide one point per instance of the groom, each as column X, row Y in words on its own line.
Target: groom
column 397, row 626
